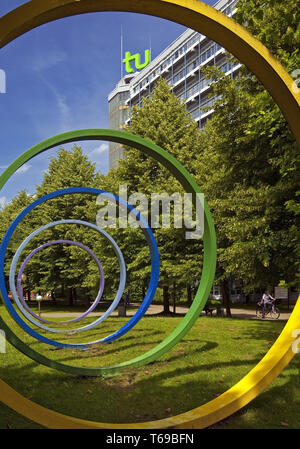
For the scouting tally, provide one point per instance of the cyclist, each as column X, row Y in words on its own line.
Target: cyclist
column 266, row 302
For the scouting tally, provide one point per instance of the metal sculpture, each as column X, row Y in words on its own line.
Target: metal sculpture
column 225, row 31
column 22, row 303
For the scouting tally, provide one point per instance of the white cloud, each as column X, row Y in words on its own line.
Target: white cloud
column 2, row 201
column 98, row 151
column 23, row 169
column 64, row 111
column 98, row 154
column 52, row 58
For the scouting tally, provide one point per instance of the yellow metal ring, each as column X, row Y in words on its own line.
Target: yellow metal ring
column 217, row 26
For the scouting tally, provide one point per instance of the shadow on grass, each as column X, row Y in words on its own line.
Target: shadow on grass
column 259, row 330
column 90, row 354
column 151, row 398
column 130, row 392
column 146, row 333
column 135, row 396
column 277, row 407
column 105, row 331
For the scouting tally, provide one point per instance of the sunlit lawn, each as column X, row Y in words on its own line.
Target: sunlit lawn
column 214, row 355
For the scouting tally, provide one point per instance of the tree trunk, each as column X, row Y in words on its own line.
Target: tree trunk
column 189, row 295
column 226, row 296
column 71, row 299
column 87, row 297
column 29, row 292
column 174, row 297
column 53, row 297
column 166, row 299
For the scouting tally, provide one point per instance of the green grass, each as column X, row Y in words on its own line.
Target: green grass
column 214, row 355
column 60, row 306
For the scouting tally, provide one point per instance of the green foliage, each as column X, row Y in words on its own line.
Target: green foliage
column 250, row 161
column 275, row 23
column 59, row 266
column 163, row 120
column 9, row 212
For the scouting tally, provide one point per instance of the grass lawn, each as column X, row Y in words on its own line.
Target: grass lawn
column 214, row 355
column 49, row 307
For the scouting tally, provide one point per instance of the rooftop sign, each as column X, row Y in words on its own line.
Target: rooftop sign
column 129, row 58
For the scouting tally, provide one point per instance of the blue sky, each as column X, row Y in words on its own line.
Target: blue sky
column 58, row 77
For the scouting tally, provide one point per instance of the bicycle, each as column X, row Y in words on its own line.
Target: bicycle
column 273, row 311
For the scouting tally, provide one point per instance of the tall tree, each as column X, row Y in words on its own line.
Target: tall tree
column 250, row 161
column 163, row 120
column 9, row 212
column 277, row 25
column 63, row 265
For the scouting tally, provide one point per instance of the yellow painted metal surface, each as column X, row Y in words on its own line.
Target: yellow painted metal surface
column 205, row 19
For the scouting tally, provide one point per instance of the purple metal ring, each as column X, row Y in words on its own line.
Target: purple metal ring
column 101, row 287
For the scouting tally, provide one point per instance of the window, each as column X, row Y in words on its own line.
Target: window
column 225, row 67
column 193, row 65
column 181, row 98
column 192, row 91
column 207, row 54
column 181, row 50
column 178, row 76
column 195, row 114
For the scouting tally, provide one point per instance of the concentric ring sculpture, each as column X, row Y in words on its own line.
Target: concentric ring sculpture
column 217, row 26
column 209, row 251
column 149, row 294
column 23, row 304
column 24, row 264
column 117, row 251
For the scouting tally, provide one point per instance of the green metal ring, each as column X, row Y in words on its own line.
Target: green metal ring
column 209, row 241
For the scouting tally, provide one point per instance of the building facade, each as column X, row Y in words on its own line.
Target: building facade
column 181, row 64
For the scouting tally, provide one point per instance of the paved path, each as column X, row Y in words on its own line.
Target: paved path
column 251, row 314
column 156, row 309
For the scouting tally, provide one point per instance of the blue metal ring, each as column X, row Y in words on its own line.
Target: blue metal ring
column 154, row 278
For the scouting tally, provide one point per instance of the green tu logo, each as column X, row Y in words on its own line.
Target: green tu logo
column 137, row 58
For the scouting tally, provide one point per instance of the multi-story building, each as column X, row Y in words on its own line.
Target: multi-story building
column 181, row 64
